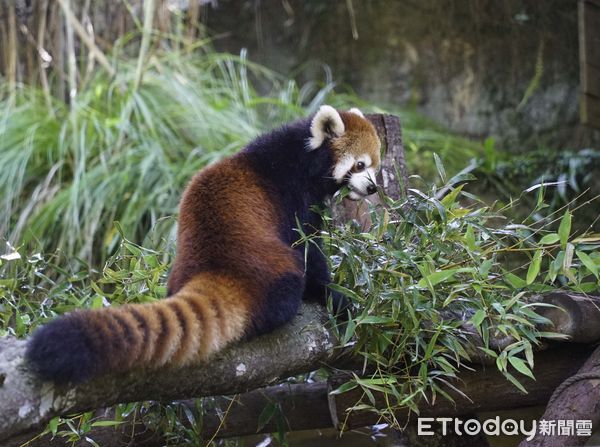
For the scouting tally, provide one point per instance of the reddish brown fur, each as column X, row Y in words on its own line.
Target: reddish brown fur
column 235, row 273
column 214, row 288
column 226, row 212
column 359, row 138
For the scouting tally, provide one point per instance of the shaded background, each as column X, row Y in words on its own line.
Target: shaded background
column 482, row 68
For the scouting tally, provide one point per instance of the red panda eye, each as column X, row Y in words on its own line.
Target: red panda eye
column 360, row 166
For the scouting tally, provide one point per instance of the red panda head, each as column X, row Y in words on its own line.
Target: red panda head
column 355, row 146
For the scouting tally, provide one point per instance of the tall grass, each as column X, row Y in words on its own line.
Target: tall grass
column 119, row 151
column 115, row 137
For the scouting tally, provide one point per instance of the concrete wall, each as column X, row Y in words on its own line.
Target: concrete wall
column 508, row 69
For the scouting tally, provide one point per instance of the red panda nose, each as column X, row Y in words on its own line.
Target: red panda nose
column 371, row 189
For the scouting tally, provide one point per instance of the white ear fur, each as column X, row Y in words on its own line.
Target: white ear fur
column 326, row 121
column 356, row 112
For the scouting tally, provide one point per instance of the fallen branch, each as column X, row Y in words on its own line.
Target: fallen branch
column 483, row 385
column 576, row 316
column 301, row 346
column 306, row 406
column 301, row 406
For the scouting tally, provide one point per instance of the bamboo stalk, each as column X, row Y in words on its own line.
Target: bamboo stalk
column 85, row 19
column 193, row 14
column 85, row 37
column 57, row 24
column 71, row 60
column 149, row 7
column 44, row 55
column 11, row 59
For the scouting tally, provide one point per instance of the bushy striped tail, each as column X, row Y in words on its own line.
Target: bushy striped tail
column 194, row 323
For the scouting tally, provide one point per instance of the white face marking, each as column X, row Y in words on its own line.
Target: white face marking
column 342, row 168
column 359, row 183
column 326, row 120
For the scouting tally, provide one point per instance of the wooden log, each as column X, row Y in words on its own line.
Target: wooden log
column 310, row 406
column 27, row 403
column 392, row 176
column 575, row 399
column 300, row 406
column 576, row 316
column 483, row 386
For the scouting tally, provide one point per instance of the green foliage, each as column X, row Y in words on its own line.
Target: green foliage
column 31, row 294
column 424, row 140
column 569, row 173
column 119, row 153
column 432, row 267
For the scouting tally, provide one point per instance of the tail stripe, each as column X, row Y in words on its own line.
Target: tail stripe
column 152, row 328
column 188, row 345
column 215, row 305
column 113, row 337
column 213, row 298
column 204, row 315
column 143, row 326
column 226, row 300
column 161, row 344
column 170, row 335
column 132, row 338
column 227, row 295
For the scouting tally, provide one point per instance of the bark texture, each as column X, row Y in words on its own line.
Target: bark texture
column 28, row 403
column 577, row 398
column 306, row 406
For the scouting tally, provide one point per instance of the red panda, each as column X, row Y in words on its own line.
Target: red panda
column 237, row 273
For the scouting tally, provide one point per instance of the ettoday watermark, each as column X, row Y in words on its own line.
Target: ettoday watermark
column 510, row 427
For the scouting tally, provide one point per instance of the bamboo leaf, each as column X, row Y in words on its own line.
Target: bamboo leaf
column 440, row 167
column 436, row 278
column 551, row 238
column 478, row 317
column 588, row 262
column 520, row 366
column 512, row 379
column 534, row 267
column 564, row 230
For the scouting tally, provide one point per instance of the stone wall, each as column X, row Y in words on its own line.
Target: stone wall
column 508, row 68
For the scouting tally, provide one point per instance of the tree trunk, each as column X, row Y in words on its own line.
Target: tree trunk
column 576, row 399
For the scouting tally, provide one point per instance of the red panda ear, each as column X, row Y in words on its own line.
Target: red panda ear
column 356, row 112
column 327, row 123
